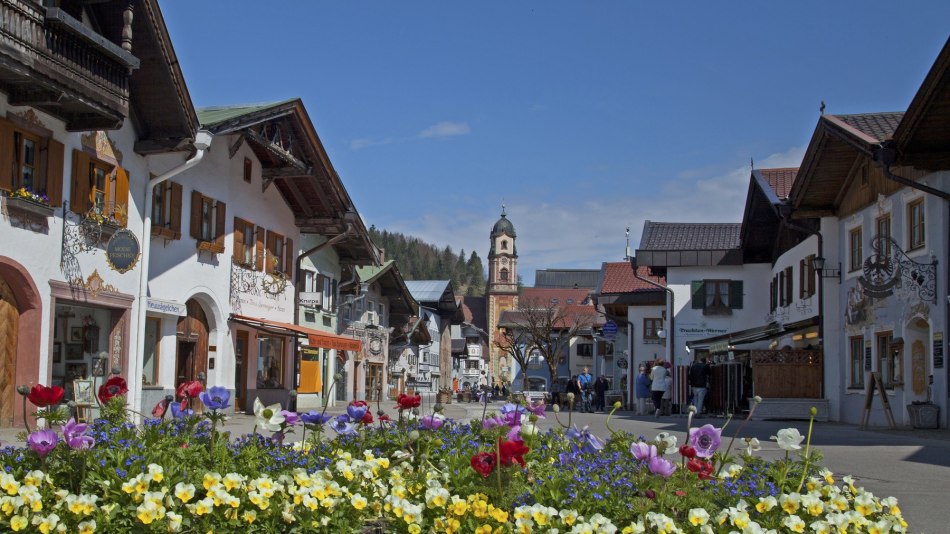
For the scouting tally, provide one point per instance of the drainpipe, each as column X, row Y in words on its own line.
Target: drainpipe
column 671, row 336
column 885, row 155
column 201, row 143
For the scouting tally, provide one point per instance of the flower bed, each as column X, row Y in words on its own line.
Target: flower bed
column 411, row 473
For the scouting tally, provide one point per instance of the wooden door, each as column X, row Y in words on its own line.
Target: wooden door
column 185, row 363
column 193, row 328
column 240, row 369
column 9, row 326
column 374, row 381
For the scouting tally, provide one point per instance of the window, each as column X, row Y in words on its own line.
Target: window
column 166, row 210
column 883, row 226
column 244, row 241
column 585, row 350
column 807, row 276
column 888, row 360
column 99, row 187
column 153, row 337
column 275, row 252
column 716, row 297
column 270, row 362
column 855, row 251
column 856, row 354
column 472, row 365
column 535, row 360
column 915, row 223
column 504, row 244
column 248, row 169
column 30, row 159
column 651, row 329
column 503, row 274
column 207, row 222
column 329, row 296
column 382, row 313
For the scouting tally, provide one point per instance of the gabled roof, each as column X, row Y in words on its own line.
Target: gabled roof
column 617, row 277
column 474, row 311
column 779, row 181
column 689, row 244
column 764, row 234
column 392, row 286
column 569, row 316
column 872, row 127
column 923, row 138
column 566, row 278
column 294, row 160
column 436, row 294
column 554, row 296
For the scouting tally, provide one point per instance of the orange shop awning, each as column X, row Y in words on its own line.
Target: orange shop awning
column 315, row 338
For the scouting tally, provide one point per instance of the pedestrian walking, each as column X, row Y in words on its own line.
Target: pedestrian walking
column 600, row 391
column 668, row 395
column 642, row 392
column 658, row 385
column 699, row 378
column 575, row 389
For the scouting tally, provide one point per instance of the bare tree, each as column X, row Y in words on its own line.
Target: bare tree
column 512, row 339
column 548, row 328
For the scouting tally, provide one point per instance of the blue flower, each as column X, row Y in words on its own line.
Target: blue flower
column 216, row 398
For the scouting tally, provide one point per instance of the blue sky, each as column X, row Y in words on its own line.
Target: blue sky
column 581, row 117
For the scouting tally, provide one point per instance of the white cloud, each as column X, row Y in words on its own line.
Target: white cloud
column 446, row 129
column 583, row 234
column 359, row 144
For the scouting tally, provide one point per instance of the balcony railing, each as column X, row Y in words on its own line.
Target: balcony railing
column 69, row 70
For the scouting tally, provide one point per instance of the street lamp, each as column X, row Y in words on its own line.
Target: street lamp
column 818, row 263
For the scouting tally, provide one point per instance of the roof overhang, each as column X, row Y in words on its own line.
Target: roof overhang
column 922, row 137
column 315, row 338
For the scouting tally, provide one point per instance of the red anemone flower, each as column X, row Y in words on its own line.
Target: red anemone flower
column 405, row 402
column 512, row 451
column 367, row 418
column 160, row 409
column 113, row 387
column 702, row 468
column 43, row 396
column 687, row 451
column 484, row 463
column 190, row 389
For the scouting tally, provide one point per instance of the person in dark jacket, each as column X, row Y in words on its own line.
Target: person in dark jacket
column 572, row 387
column 699, row 375
column 643, row 390
column 600, row 390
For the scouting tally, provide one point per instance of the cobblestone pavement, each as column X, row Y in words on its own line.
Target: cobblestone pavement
column 912, row 465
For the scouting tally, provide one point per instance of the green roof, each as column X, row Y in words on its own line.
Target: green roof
column 369, row 273
column 216, row 114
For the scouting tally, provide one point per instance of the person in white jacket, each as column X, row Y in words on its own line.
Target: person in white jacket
column 658, row 385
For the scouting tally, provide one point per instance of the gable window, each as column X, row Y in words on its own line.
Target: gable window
column 503, row 274
column 915, row 224
column 856, row 355
column 883, row 226
column 244, row 241
column 100, row 188
column 855, row 251
column 166, row 210
column 651, row 329
column 716, row 297
column 30, row 159
column 207, row 222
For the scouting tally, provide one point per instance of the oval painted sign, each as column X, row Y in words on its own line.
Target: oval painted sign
column 122, row 251
column 610, row 330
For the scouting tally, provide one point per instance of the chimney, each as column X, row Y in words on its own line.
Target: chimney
column 382, row 255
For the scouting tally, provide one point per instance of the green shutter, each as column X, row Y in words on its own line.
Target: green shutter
column 735, row 294
column 698, row 291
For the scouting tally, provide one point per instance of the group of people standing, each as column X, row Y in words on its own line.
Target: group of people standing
column 589, row 394
column 655, row 382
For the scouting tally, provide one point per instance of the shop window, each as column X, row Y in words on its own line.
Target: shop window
column 717, row 297
column 207, row 222
column 915, row 224
column 888, row 360
column 270, row 363
column 99, row 188
column 856, row 355
column 855, row 250
column 153, row 337
column 30, row 160
column 166, row 210
column 244, row 240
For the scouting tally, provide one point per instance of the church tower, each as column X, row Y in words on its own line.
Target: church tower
column 501, row 290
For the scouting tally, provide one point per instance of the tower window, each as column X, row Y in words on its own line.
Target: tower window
column 503, row 275
column 504, row 244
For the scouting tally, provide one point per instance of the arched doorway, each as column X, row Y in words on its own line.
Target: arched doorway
column 192, row 334
column 9, row 329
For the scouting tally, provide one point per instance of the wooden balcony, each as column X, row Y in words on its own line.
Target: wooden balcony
column 53, row 62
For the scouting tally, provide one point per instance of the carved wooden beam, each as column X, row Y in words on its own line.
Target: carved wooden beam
column 232, row 150
column 278, row 151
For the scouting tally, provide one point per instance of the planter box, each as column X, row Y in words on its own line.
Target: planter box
column 29, row 206
column 924, row 415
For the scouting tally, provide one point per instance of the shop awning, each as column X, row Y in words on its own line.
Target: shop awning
column 315, row 338
column 771, row 330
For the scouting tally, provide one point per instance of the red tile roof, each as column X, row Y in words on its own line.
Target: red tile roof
column 618, row 278
column 780, row 180
column 877, row 126
column 547, row 295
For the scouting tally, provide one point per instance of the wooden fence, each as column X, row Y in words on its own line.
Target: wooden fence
column 795, row 374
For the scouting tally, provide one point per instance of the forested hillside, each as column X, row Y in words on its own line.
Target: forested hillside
column 418, row 260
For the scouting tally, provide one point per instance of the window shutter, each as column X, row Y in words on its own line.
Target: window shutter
column 801, row 278
column 698, row 292
column 220, row 212
column 772, row 295
column 811, row 276
column 121, row 201
column 259, row 252
column 735, row 294
column 788, row 285
column 237, row 252
column 290, row 257
column 7, row 150
column 174, row 222
column 79, row 194
column 196, row 214
column 55, row 154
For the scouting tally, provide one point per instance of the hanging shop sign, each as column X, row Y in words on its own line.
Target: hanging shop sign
column 610, row 330
column 123, row 250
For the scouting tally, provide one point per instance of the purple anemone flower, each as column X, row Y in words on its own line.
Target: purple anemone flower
column 314, row 418
column 537, row 408
column 642, row 450
column 511, row 408
column 661, row 466
column 356, row 413
column 178, row 412
column 74, row 435
column 705, row 440
column 342, row 425
column 290, row 418
column 42, row 442
column 431, row 422
column 492, row 422
column 588, row 442
column 216, row 398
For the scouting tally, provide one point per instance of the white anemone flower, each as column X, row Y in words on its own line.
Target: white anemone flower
column 789, row 439
column 268, row 417
column 752, row 445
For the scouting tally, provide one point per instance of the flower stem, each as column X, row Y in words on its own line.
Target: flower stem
column 811, row 422
column 25, row 420
column 607, row 422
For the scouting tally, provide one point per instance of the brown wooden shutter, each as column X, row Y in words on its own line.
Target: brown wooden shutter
column 174, row 222
column 7, row 152
column 220, row 212
column 788, row 285
column 270, row 261
column 121, row 200
column 811, row 275
column 237, row 254
column 79, row 195
column 55, row 160
column 196, row 214
column 290, row 257
column 259, row 250
column 801, row 278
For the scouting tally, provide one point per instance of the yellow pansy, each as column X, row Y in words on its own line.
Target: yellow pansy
column 18, row 523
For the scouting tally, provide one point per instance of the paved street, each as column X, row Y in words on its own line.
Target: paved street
column 912, row 465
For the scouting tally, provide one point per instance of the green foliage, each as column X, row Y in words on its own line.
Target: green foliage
column 418, row 260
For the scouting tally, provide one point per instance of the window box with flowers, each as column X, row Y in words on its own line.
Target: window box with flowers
column 24, row 200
